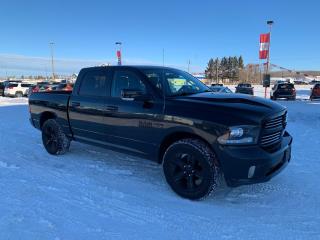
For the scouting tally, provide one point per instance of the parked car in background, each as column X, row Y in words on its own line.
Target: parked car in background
column 51, row 87
column 300, row 82
column 314, row 82
column 29, row 89
column 39, row 87
column 16, row 89
column 142, row 111
column 220, row 89
column 64, row 87
column 283, row 90
column 216, row 84
column 315, row 92
column 245, row 88
column 2, row 86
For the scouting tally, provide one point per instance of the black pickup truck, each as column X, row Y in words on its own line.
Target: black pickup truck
column 169, row 116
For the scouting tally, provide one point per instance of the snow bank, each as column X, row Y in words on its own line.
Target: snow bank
column 5, row 101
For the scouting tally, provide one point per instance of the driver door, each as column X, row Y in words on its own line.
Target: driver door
column 134, row 124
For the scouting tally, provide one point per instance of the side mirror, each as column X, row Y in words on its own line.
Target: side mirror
column 135, row 95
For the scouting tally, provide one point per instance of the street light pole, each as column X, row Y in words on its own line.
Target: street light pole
column 163, row 57
column 52, row 62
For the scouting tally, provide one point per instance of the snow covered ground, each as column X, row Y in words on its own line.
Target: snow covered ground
column 92, row 193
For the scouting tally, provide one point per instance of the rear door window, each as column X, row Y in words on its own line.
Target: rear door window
column 95, row 83
column 25, row 85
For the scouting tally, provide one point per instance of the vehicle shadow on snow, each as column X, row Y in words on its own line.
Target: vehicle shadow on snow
column 147, row 171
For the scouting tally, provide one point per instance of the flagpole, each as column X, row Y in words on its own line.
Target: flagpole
column 268, row 59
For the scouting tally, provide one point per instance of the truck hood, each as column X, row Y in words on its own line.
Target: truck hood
column 246, row 108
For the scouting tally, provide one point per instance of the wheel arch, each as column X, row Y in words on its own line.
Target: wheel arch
column 46, row 116
column 176, row 136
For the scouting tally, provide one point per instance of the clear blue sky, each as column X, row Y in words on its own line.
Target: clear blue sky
column 195, row 30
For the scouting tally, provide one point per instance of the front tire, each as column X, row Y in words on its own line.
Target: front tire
column 190, row 168
column 53, row 138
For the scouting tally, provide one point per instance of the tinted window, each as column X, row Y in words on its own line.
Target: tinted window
column 181, row 83
column 154, row 76
column 126, row 80
column 94, row 83
column 13, row 85
column 25, row 85
column 286, row 86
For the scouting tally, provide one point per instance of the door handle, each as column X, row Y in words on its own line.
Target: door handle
column 75, row 104
column 112, row 108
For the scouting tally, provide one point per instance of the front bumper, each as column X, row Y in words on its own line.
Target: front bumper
column 284, row 95
column 243, row 165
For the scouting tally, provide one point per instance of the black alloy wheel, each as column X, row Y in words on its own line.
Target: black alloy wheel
column 53, row 138
column 190, row 168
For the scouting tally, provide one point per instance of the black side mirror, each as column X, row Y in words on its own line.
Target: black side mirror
column 135, row 95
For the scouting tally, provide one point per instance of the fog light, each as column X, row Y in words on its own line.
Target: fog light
column 251, row 171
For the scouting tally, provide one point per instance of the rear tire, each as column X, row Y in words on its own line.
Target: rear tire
column 190, row 168
column 53, row 138
column 18, row 94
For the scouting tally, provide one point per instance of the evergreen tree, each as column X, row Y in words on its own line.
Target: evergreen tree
column 240, row 62
column 217, row 69
column 224, row 68
column 210, row 70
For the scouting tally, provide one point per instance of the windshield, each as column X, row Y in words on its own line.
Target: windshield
column 216, row 89
column 175, row 82
column 245, row 85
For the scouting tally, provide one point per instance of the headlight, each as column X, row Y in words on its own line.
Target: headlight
column 240, row 135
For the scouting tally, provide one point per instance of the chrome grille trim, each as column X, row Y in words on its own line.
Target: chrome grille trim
column 272, row 130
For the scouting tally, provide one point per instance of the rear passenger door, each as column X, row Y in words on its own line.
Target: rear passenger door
column 87, row 106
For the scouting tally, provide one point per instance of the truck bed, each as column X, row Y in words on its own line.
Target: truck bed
column 55, row 102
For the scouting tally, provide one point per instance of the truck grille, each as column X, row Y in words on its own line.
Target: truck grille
column 272, row 131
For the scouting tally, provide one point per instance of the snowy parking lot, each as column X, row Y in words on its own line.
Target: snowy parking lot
column 93, row 193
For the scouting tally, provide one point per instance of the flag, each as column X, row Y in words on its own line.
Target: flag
column 119, row 57
column 264, row 45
